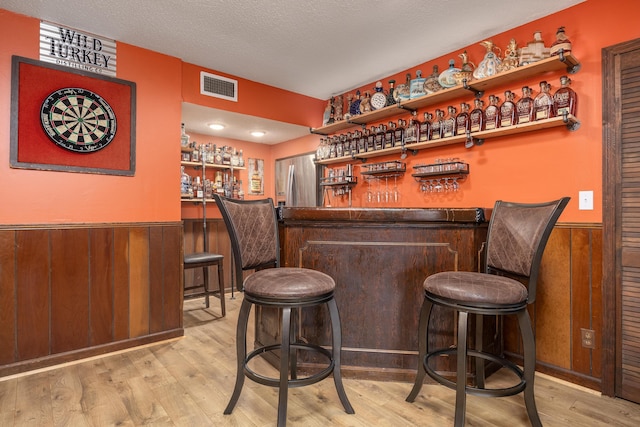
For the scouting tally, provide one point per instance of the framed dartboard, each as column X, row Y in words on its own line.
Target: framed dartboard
column 71, row 120
column 78, row 120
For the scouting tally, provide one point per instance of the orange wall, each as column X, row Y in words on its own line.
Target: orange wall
column 255, row 99
column 527, row 167
column 540, row 165
column 40, row 197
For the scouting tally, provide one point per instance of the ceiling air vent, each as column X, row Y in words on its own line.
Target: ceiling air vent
column 218, row 86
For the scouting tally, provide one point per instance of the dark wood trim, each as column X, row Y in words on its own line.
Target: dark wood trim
column 611, row 210
column 75, row 355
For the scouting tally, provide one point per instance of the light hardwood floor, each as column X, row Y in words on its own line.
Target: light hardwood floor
column 188, row 381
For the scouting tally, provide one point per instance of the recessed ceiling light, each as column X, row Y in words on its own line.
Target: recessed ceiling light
column 216, row 126
column 258, row 133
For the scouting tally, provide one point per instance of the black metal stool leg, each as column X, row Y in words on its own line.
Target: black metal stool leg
column 480, row 374
column 221, row 288
column 205, row 273
column 529, row 344
column 241, row 353
column 461, row 376
column 423, row 347
column 336, row 333
column 284, row 367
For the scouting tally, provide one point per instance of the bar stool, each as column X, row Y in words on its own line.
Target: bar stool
column 205, row 260
column 516, row 238
column 253, row 229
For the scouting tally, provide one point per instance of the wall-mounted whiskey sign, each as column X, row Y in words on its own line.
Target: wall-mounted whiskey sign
column 77, row 49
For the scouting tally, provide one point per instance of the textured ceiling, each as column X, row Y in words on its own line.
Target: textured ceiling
column 313, row 47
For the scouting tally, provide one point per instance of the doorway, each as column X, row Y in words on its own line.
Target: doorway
column 621, row 220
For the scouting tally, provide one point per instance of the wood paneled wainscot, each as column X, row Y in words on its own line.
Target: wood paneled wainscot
column 379, row 259
column 73, row 291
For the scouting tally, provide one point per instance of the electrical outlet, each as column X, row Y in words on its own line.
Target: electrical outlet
column 588, row 338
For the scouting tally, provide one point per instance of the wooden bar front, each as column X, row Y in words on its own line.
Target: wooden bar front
column 379, row 259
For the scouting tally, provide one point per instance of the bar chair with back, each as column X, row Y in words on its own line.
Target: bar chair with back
column 253, row 229
column 516, row 239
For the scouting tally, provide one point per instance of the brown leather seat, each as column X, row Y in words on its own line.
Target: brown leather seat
column 253, row 229
column 516, row 238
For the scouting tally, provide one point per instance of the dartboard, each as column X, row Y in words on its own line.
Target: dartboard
column 78, row 120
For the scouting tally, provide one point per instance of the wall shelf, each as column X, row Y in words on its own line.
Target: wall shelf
column 569, row 121
column 475, row 87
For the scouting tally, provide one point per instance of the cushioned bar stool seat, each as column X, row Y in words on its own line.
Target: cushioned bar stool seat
column 253, row 230
column 204, row 260
column 516, row 238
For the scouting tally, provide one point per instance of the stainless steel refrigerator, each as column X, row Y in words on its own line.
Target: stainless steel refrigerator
column 298, row 181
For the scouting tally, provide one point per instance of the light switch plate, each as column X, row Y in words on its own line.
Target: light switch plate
column 585, row 200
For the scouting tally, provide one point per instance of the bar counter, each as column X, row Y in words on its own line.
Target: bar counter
column 379, row 259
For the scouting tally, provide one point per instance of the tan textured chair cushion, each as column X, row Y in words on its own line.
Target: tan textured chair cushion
column 476, row 289
column 288, row 283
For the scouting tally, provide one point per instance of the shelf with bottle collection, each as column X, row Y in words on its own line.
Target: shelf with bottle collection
column 554, row 63
column 223, row 160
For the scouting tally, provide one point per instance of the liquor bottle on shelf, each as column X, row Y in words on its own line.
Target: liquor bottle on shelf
column 208, row 189
column 240, row 190
column 346, row 144
column 379, row 138
column 431, row 84
column 476, row 116
column 399, row 134
column 492, row 113
column 362, row 142
column 391, row 96
column 195, row 153
column 226, row 156
column 389, row 135
column 524, row 106
column 543, row 104
column 449, row 124
column 332, row 148
column 562, row 43
column 508, row 110
column 240, row 159
column 371, row 138
column 412, row 131
column 184, row 138
column 235, row 162
column 339, row 147
column 565, row 98
column 416, row 87
column 425, row 127
column 462, row 120
column 198, row 191
column 217, row 158
column 353, row 142
column 437, row 125
column 185, row 184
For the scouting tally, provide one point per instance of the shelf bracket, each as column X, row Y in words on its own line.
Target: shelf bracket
column 404, row 107
column 313, row 131
column 571, row 68
column 471, row 141
column 477, row 93
column 361, row 159
column 571, row 125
